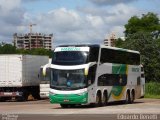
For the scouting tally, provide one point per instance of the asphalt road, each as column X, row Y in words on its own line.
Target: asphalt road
column 43, row 110
column 63, row 117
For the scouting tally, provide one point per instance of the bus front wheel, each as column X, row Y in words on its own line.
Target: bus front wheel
column 98, row 100
column 128, row 98
column 64, row 105
column 67, row 105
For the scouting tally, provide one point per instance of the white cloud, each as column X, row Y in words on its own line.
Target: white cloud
column 64, row 19
column 11, row 15
column 8, row 5
column 96, row 21
column 117, row 30
column 73, row 26
column 110, row 2
column 69, row 26
column 120, row 14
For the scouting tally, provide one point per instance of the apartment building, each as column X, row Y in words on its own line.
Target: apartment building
column 110, row 41
column 33, row 40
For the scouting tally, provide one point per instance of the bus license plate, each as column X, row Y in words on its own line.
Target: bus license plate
column 66, row 100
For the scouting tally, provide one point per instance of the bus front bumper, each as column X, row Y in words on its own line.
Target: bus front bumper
column 69, row 98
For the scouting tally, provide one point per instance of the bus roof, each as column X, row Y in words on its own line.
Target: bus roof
column 80, row 45
column 120, row 49
column 100, row 46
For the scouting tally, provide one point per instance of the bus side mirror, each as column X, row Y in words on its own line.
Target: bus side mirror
column 44, row 69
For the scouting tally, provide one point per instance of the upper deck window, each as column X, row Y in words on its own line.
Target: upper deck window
column 70, row 57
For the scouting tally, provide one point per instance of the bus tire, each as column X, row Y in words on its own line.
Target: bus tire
column 105, row 98
column 132, row 96
column 72, row 105
column 2, row 99
column 64, row 105
column 128, row 98
column 98, row 100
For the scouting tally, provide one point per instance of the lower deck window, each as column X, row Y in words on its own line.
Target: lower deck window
column 112, row 80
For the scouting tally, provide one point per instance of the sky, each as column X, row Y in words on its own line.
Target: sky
column 71, row 21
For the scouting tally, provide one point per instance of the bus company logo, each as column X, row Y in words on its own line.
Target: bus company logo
column 70, row 49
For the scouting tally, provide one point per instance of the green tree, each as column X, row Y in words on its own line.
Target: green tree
column 10, row 49
column 119, row 42
column 36, row 51
column 147, row 23
column 150, row 53
column 41, row 51
column 7, row 49
column 143, row 34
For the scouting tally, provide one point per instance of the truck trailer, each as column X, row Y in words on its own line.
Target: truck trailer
column 19, row 76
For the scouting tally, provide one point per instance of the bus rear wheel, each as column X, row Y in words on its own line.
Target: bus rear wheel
column 132, row 97
column 105, row 99
column 64, row 105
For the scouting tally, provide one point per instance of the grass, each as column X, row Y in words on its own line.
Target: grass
column 152, row 90
column 152, row 96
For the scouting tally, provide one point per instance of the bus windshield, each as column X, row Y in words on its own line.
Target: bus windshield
column 70, row 57
column 68, row 79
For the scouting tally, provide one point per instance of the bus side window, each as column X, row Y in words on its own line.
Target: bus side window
column 142, row 69
column 142, row 75
column 112, row 80
column 92, row 73
column 119, row 57
column 93, row 56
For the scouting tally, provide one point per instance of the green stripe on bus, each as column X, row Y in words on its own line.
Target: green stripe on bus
column 69, row 98
column 119, row 69
column 117, row 92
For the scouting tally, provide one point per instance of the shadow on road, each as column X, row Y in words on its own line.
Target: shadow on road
column 118, row 103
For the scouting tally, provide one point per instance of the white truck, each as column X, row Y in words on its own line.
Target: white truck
column 45, row 81
column 19, row 76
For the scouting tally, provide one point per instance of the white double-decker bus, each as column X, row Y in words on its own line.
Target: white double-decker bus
column 94, row 74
